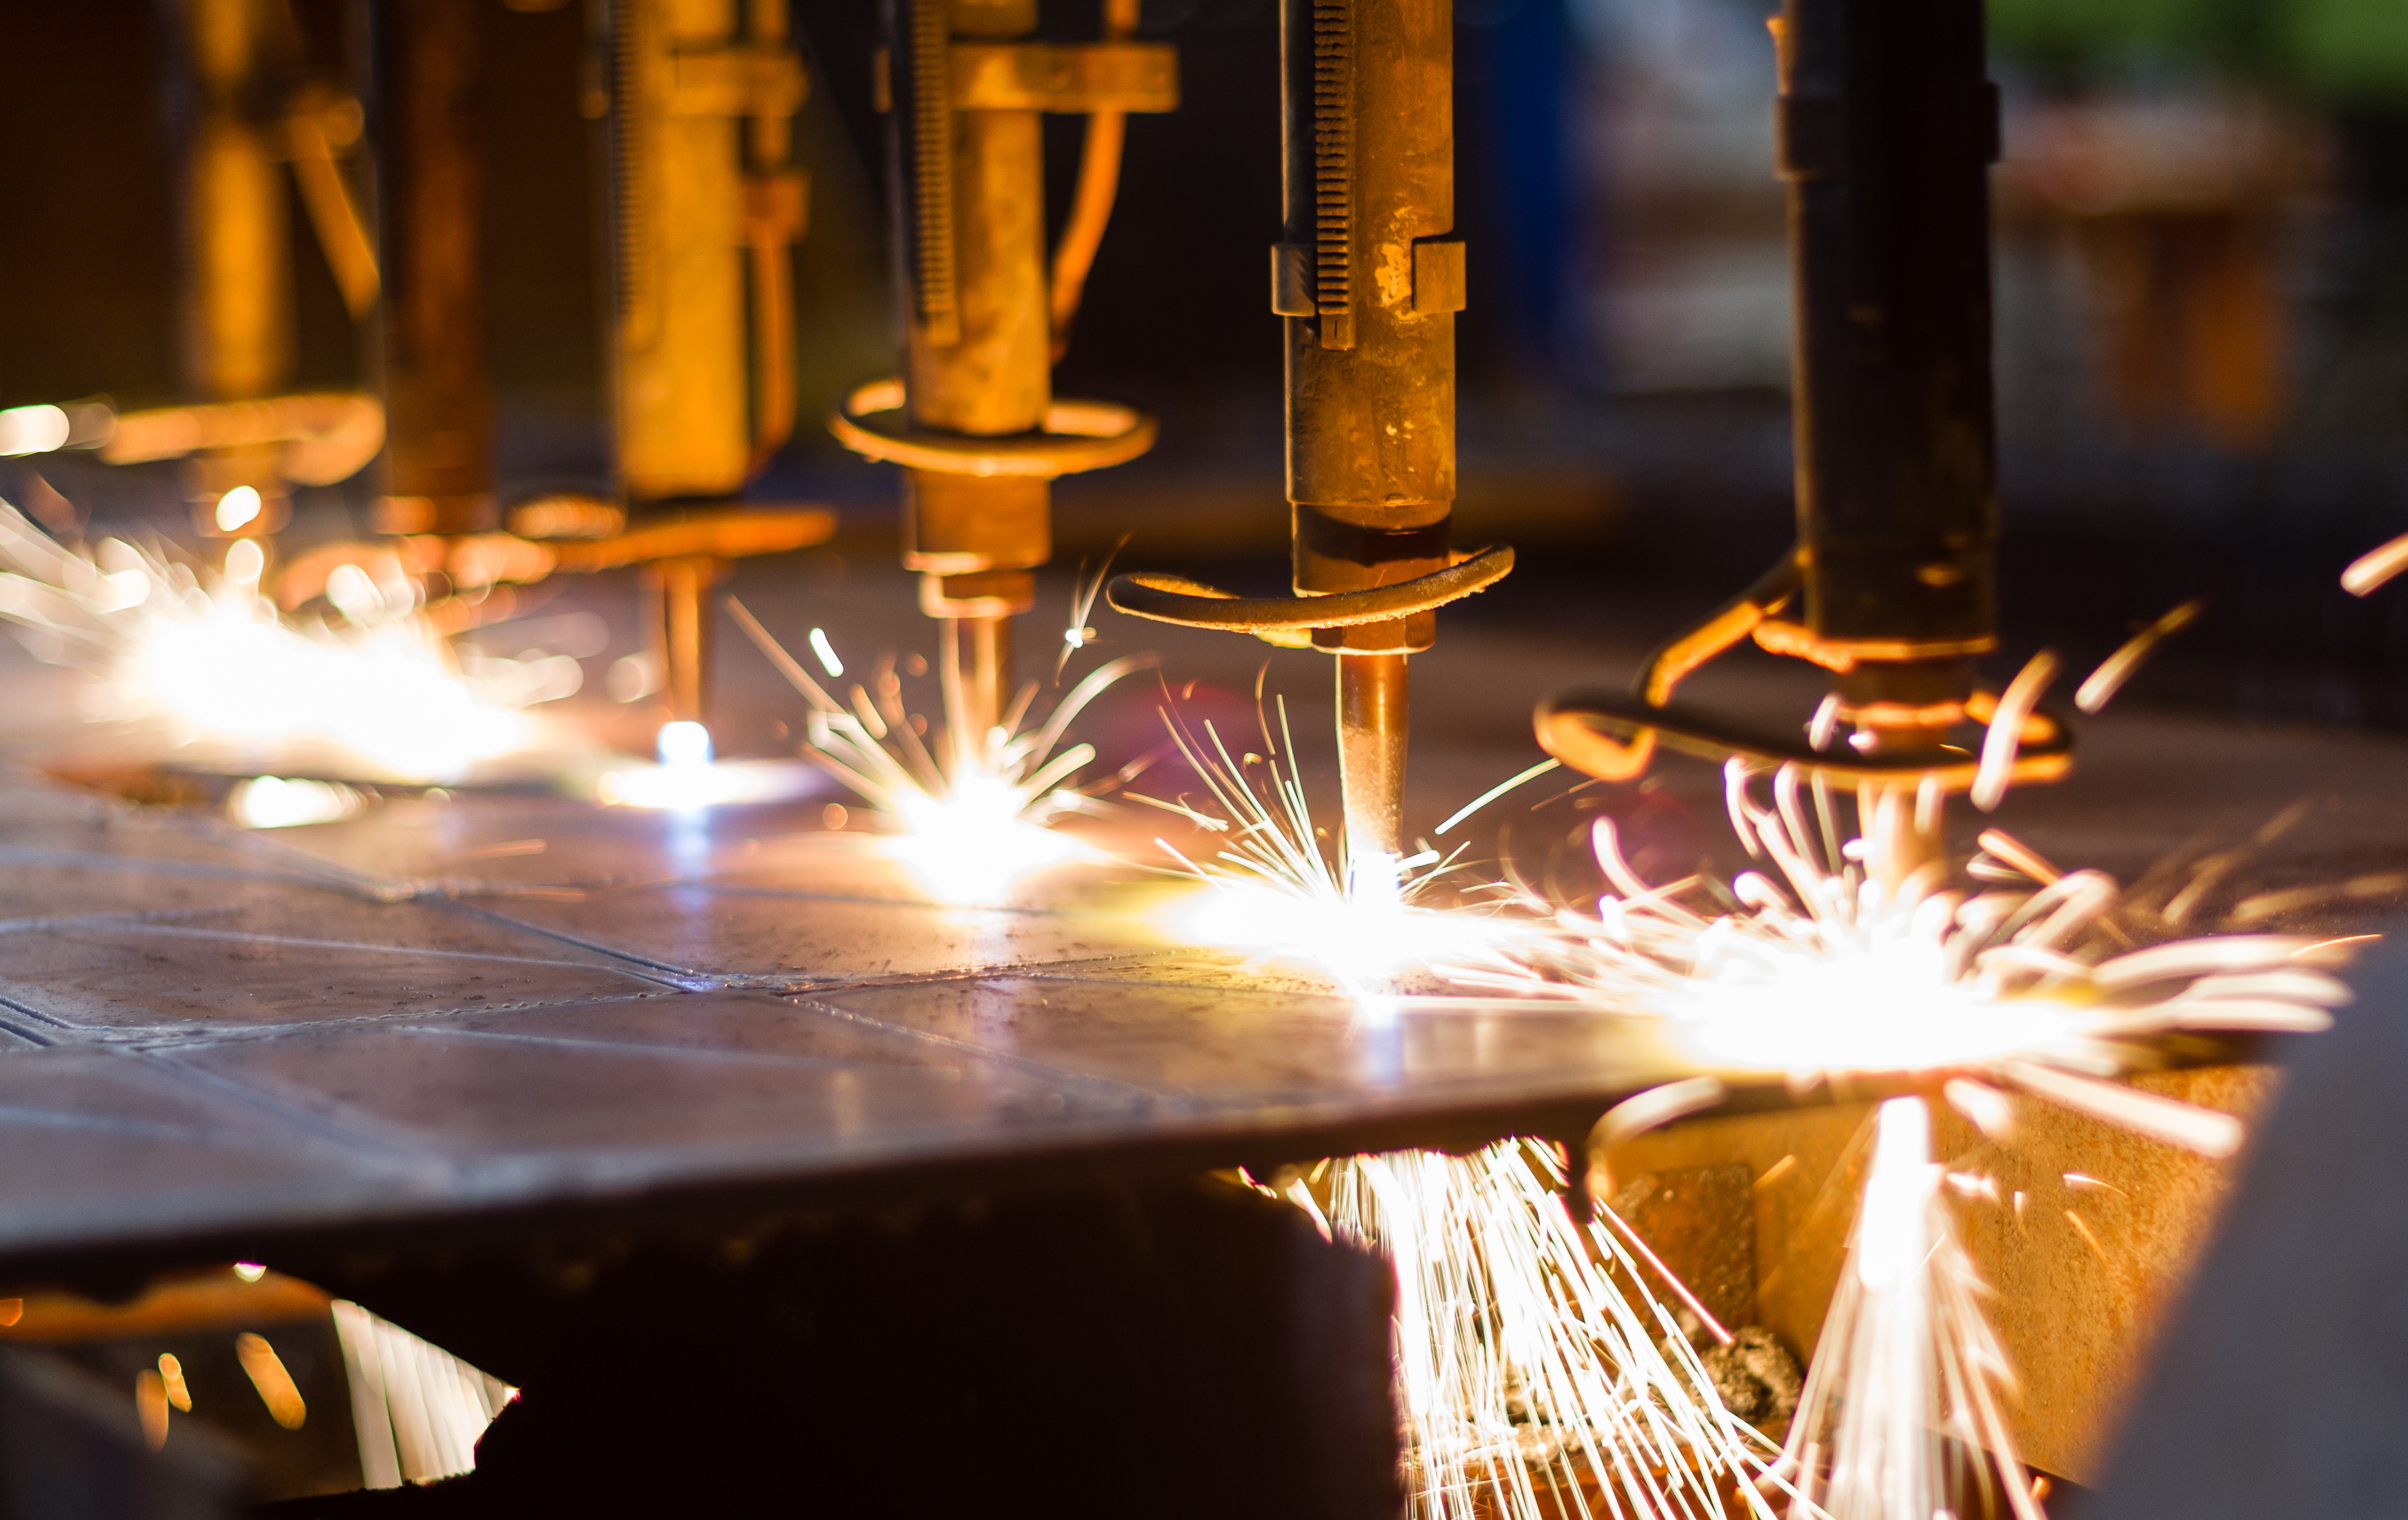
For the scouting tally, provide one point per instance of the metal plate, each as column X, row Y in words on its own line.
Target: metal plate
column 222, row 1042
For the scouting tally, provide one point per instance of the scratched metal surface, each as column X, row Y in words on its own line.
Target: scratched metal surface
column 213, row 1035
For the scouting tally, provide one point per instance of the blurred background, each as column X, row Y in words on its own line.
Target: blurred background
column 2202, row 294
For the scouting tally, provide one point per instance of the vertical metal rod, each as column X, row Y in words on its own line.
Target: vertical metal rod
column 237, row 267
column 438, row 387
column 683, row 634
column 1899, row 839
column 977, row 362
column 1371, row 699
column 985, row 654
column 679, row 328
column 1368, row 274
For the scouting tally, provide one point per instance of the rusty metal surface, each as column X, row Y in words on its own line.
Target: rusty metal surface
column 218, row 1037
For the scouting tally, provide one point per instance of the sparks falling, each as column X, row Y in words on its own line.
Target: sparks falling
column 1530, row 1383
column 1274, row 887
column 1825, row 974
column 1991, row 992
column 969, row 813
column 204, row 654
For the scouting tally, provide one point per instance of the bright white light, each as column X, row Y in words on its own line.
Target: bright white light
column 971, row 844
column 1530, row 1358
column 969, row 819
column 236, row 508
column 352, row 593
column 683, row 742
column 1885, row 1005
column 688, row 779
column 249, row 1271
column 1362, row 939
column 1271, row 888
column 1890, row 1235
column 826, row 651
column 245, row 563
column 202, row 652
column 33, row 430
column 273, row 802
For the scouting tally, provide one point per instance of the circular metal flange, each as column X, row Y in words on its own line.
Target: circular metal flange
column 1171, row 599
column 1076, row 436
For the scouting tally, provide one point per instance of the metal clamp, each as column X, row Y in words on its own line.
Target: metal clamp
column 1289, row 621
column 1076, row 436
column 740, row 79
column 1072, row 79
column 1611, row 736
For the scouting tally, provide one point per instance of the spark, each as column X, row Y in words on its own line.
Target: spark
column 1083, row 592
column 2005, row 730
column 1825, row 974
column 1907, row 1379
column 1272, row 887
column 171, row 1378
column 1534, row 1377
column 205, row 655
column 826, row 651
column 276, row 1388
column 970, row 813
column 1495, row 791
column 151, row 1407
column 2099, row 687
column 2082, row 1228
column 2372, row 569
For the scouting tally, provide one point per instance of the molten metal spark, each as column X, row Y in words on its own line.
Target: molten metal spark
column 1974, row 997
column 1907, row 1380
column 2374, row 569
column 969, row 811
column 2099, row 687
column 1530, row 1383
column 204, row 653
column 1273, row 888
column 1836, row 975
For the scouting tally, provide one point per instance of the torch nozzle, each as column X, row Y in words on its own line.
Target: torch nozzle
column 1372, row 758
column 977, row 677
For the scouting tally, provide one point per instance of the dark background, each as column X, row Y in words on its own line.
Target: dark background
column 1641, row 503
